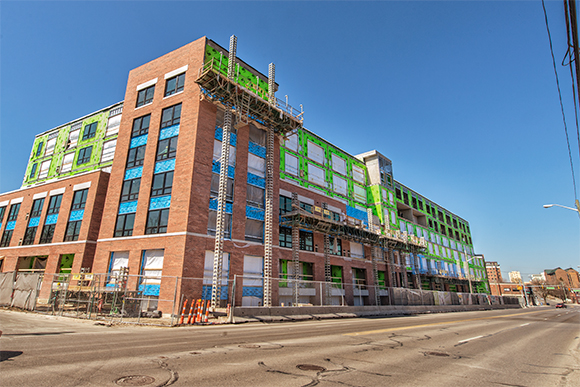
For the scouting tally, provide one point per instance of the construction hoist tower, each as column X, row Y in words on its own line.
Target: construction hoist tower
column 250, row 103
column 221, row 199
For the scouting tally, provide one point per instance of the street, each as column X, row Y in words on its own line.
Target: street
column 518, row 347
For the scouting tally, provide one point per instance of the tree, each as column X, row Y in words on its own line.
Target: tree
column 540, row 289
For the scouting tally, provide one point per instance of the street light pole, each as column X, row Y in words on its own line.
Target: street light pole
column 577, row 209
column 468, row 271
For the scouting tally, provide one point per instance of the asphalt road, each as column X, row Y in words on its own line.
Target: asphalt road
column 516, row 347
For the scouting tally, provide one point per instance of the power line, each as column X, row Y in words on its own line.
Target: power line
column 560, row 96
column 572, row 32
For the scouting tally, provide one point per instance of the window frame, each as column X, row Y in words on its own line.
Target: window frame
column 36, row 209
column 124, row 231
column 54, row 203
column 75, row 225
column 174, row 119
column 164, row 189
column 306, row 241
column 82, row 200
column 13, row 213
column 159, row 228
column 176, row 88
column 29, row 236
column 142, row 129
column 47, row 230
column 132, row 160
column 131, row 195
column 170, row 154
column 84, row 159
column 145, row 96
column 90, row 130
column 6, row 238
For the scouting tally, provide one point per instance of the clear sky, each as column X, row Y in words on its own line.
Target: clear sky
column 461, row 96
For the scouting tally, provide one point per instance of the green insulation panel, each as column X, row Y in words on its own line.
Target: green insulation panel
column 66, row 261
column 63, row 147
column 243, row 76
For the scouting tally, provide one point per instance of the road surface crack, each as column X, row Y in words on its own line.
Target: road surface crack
column 173, row 374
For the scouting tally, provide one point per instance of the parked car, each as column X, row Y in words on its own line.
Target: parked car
column 561, row 305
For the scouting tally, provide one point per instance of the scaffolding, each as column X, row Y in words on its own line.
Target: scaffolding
column 269, row 113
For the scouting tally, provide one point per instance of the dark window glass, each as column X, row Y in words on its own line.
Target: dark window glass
column 29, row 236
column 90, row 131
column 33, row 171
column 255, row 196
column 85, row 155
column 174, row 85
column 157, row 221
column 5, row 242
column 440, row 216
column 167, row 148
column 80, row 199
column 13, row 214
column 130, row 190
column 254, row 230
column 162, row 184
column 335, row 248
column 285, row 237
column 398, row 193
column 47, row 233
column 39, row 148
column 306, row 207
column 36, row 208
column 2, row 211
column 285, row 204
column 141, row 125
column 136, row 156
column 73, row 230
column 171, row 116
column 145, row 96
column 306, row 241
column 124, row 225
column 211, row 224
column 54, row 204
column 215, row 185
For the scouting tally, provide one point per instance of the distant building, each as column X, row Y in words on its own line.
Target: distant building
column 568, row 277
column 515, row 277
column 538, row 277
column 493, row 272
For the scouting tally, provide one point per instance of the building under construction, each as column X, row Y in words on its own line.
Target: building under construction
column 202, row 172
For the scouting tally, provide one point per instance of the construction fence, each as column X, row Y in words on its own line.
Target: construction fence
column 146, row 299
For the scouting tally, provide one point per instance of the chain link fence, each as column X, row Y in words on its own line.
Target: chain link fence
column 161, row 300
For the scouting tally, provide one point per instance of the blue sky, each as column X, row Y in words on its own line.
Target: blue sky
column 461, row 96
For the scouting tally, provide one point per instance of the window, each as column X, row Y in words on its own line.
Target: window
column 285, row 204
column 33, row 171
column 44, row 166
column 67, row 162
column 39, row 148
column 360, row 193
column 255, row 196
column 339, row 185
column 54, row 204
column 162, row 184
column 73, row 137
column 47, row 233
column 306, row 207
column 36, row 208
column 316, row 175
column 136, row 156
column 290, row 164
column 29, row 235
column 50, row 145
column 79, row 199
column 2, row 211
column 109, row 150
column 217, row 153
column 292, row 142
column 285, row 237
column 167, row 148
column 73, row 230
column 85, row 155
column 256, row 165
column 5, row 242
column 338, row 164
column 356, row 250
column 141, row 126
column 306, row 241
column 171, row 116
column 215, row 185
column 145, row 96
column 211, row 224
column 335, row 248
column 113, row 125
column 13, row 214
column 90, row 130
column 257, row 136
column 254, row 230
column 124, row 225
column 130, row 190
column 157, row 221
column 315, row 152
column 358, row 174
column 174, row 85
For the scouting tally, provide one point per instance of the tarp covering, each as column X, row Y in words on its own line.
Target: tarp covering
column 6, row 287
column 25, row 290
